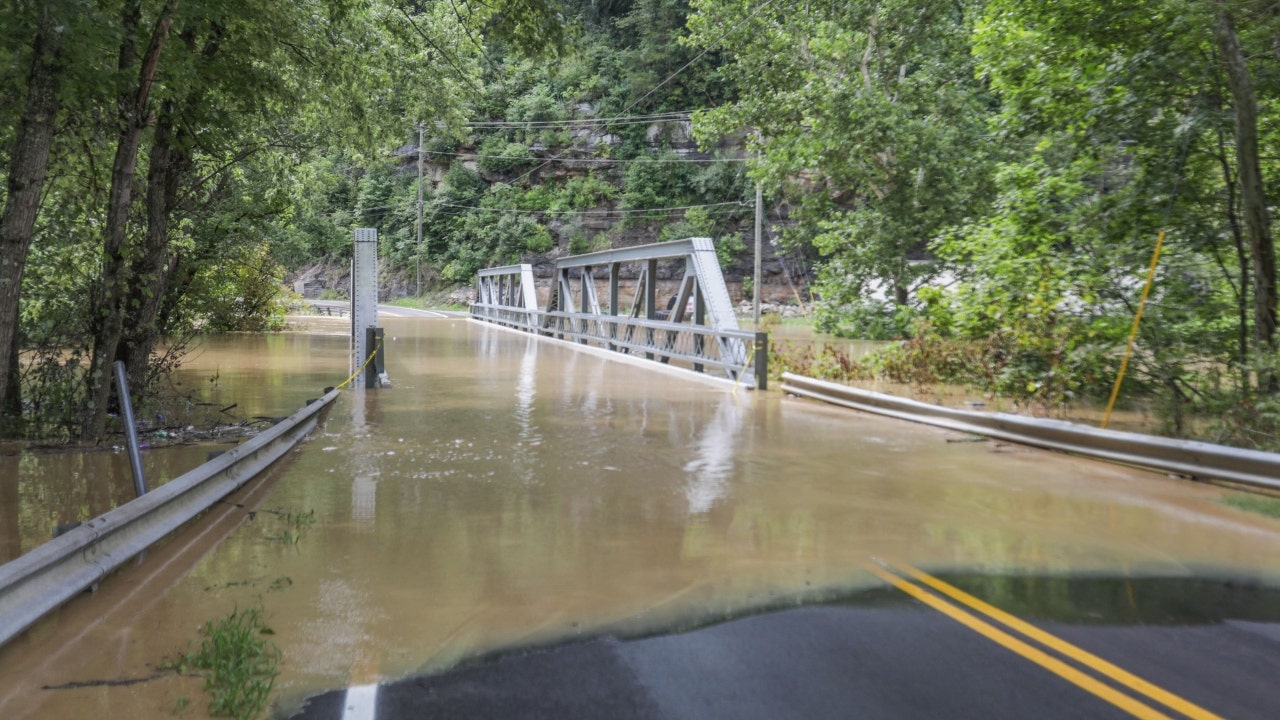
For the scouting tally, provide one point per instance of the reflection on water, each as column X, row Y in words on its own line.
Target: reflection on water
column 261, row 375
column 508, row 491
column 42, row 490
column 711, row 469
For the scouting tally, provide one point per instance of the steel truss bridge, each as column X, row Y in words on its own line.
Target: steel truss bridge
column 696, row 330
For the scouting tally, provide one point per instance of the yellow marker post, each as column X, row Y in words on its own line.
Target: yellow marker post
column 1133, row 332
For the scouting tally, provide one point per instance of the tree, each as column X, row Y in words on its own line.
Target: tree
column 1130, row 120
column 1253, row 196
column 209, row 99
column 28, row 166
column 866, row 116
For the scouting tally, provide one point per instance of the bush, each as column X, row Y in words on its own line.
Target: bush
column 497, row 155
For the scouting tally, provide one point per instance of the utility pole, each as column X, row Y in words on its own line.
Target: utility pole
column 755, row 283
column 419, row 252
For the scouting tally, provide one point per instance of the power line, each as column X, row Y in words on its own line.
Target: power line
column 354, row 214
column 698, row 57
column 629, row 211
column 680, row 115
column 595, row 161
column 673, row 75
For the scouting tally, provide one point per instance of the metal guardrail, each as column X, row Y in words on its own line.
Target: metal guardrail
column 695, row 345
column 48, row 576
column 1194, row 459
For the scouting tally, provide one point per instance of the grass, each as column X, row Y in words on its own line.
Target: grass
column 296, row 523
column 239, row 665
column 1261, row 504
column 430, row 301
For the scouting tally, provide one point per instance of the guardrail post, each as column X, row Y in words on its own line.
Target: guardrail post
column 762, row 361
column 377, row 368
column 130, row 429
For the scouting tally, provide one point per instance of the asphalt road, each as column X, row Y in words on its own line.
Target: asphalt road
column 385, row 310
column 887, row 655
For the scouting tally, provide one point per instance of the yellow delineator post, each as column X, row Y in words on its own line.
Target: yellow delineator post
column 1133, row 332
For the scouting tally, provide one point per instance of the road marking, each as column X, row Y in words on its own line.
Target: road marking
column 1039, row 657
column 361, row 703
column 1080, row 655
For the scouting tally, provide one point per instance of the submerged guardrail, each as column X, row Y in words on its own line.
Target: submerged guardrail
column 1192, row 458
column 39, row 581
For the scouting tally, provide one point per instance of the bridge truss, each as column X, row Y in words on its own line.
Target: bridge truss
column 697, row 328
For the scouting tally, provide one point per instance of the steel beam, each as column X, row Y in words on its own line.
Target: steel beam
column 638, row 253
column 364, row 295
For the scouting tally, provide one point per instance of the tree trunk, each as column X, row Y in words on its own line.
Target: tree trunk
column 1252, row 196
column 1240, row 284
column 108, row 323
column 28, row 164
column 150, row 272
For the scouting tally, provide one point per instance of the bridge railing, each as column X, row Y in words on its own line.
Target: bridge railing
column 696, row 347
column 697, row 328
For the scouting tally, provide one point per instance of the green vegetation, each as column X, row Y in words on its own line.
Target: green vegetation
column 163, row 162
column 294, row 524
column 1261, row 504
column 986, row 180
column 239, row 665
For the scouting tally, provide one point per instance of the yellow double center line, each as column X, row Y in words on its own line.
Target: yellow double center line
column 1034, row 654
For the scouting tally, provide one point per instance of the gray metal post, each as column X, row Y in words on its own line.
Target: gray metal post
column 364, row 292
column 613, row 301
column 762, row 360
column 699, row 318
column 650, row 300
column 377, row 368
column 130, row 429
column 755, row 283
column 419, row 253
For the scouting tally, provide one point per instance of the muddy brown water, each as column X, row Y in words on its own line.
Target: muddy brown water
column 509, row 492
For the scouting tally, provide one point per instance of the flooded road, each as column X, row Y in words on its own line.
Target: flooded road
column 508, row 492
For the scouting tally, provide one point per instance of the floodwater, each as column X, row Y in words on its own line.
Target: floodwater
column 509, row 492
column 256, row 376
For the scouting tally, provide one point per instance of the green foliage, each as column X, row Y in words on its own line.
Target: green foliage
column 584, row 193
column 241, row 295
column 293, row 524
column 248, row 148
column 868, row 117
column 499, row 156
column 659, row 184
column 239, row 665
column 825, row 362
column 987, row 179
column 858, row 317
column 1261, row 504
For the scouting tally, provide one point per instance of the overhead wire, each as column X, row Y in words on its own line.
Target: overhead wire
column 576, row 122
column 736, row 205
column 627, row 211
column 592, row 161
column 622, row 119
column 672, row 76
